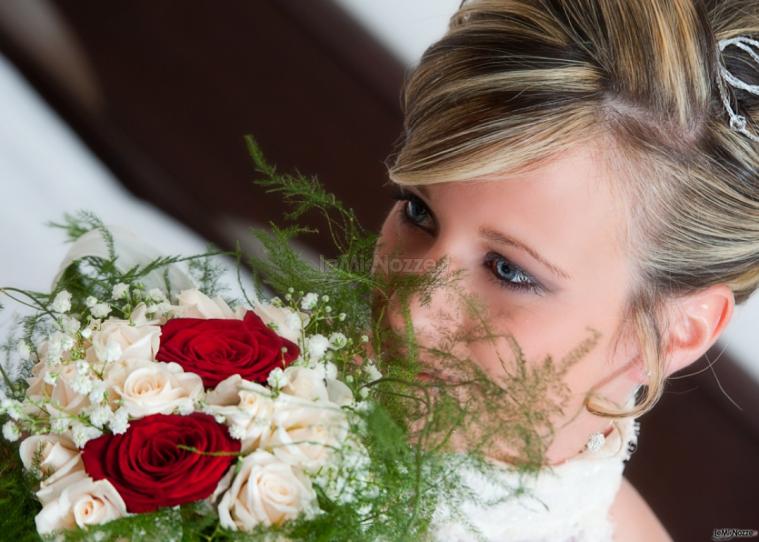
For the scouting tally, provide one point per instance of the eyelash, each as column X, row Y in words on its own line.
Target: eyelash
column 529, row 283
column 401, row 195
column 491, row 259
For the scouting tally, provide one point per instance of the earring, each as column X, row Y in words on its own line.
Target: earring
column 595, row 442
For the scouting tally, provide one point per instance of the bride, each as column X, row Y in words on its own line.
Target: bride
column 586, row 164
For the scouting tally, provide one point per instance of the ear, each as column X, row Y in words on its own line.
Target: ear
column 696, row 322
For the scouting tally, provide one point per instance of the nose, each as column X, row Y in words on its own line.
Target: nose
column 433, row 310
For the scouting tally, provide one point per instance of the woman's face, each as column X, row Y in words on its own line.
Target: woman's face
column 543, row 251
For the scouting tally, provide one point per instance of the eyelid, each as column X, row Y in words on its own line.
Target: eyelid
column 402, row 194
column 533, row 284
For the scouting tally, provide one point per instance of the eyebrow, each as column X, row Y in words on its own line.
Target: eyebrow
column 498, row 237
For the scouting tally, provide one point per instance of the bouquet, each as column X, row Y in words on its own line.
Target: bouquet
column 140, row 402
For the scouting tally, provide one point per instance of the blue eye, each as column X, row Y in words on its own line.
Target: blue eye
column 414, row 211
column 509, row 275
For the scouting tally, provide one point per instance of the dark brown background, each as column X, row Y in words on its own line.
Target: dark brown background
column 178, row 84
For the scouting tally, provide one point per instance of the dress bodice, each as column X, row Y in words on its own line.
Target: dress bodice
column 568, row 502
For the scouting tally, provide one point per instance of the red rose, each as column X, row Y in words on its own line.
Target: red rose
column 147, row 468
column 218, row 348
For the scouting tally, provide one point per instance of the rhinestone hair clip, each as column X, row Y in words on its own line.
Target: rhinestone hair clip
column 738, row 122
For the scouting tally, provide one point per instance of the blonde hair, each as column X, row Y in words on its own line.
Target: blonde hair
column 514, row 82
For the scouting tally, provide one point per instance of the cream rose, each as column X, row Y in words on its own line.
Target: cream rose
column 61, row 393
column 117, row 339
column 81, row 502
column 266, row 491
column 338, row 392
column 285, row 321
column 312, row 385
column 147, row 387
column 306, row 383
column 305, row 433
column 195, row 304
column 247, row 408
column 53, row 456
column 139, row 316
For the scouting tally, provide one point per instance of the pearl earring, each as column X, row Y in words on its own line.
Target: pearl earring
column 595, row 442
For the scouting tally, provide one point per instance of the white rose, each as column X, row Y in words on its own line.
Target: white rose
column 54, row 456
column 117, row 339
column 147, row 387
column 81, row 502
column 195, row 304
column 371, row 371
column 338, row 392
column 139, row 316
column 247, row 408
column 225, row 392
column 330, row 370
column 312, row 384
column 305, row 433
column 61, row 392
column 287, row 322
column 305, row 383
column 266, row 491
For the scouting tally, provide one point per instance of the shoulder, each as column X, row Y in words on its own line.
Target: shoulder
column 633, row 519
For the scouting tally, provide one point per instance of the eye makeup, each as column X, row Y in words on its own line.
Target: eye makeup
column 414, row 210
column 415, row 213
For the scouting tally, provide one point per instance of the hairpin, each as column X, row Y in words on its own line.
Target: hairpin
column 738, row 122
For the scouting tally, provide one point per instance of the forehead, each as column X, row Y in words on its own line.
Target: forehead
column 568, row 208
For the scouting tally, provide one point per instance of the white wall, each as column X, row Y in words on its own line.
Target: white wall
column 406, row 27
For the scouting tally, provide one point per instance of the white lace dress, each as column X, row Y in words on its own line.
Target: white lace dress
column 569, row 502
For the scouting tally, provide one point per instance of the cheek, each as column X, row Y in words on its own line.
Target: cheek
column 541, row 334
column 387, row 240
column 498, row 356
